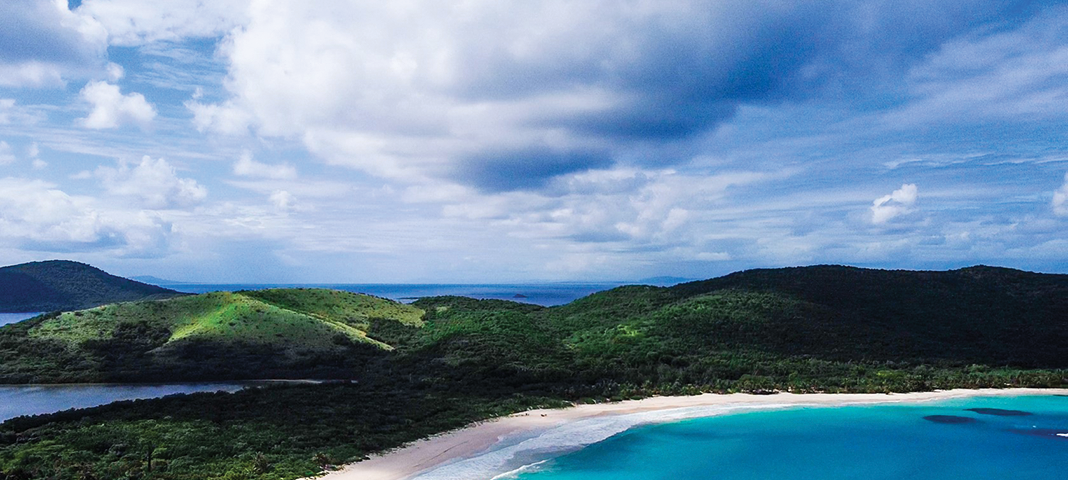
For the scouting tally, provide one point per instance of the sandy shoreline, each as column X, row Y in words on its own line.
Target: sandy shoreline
column 427, row 454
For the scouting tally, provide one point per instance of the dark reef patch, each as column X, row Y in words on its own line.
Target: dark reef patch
column 950, row 419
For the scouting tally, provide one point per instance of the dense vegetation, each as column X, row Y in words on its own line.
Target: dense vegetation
column 275, row 432
column 806, row 329
column 222, row 335
column 65, row 285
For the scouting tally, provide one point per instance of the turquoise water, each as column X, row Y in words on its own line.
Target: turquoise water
column 864, row 442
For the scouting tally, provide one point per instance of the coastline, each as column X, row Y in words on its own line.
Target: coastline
column 448, row 448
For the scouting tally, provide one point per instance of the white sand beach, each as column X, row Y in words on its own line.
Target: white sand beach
column 507, row 435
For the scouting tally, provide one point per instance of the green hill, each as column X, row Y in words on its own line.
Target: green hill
column 65, row 285
column 254, row 334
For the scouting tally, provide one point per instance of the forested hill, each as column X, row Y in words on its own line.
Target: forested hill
column 977, row 314
column 807, row 328
column 65, row 285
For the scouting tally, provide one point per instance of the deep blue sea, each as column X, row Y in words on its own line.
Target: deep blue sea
column 825, row 443
column 545, row 294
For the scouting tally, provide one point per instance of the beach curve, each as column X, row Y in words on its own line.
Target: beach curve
column 492, row 444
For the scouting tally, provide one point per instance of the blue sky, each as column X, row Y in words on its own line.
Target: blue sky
column 497, row 141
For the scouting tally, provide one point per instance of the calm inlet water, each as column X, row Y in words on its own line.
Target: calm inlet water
column 18, row 400
column 1008, row 438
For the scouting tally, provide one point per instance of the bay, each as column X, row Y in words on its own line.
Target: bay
column 1023, row 438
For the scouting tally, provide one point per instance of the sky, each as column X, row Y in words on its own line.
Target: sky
column 295, row 141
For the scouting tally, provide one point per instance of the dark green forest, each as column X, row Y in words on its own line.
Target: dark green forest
column 65, row 285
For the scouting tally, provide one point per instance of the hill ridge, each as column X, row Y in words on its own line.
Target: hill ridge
column 52, row 285
column 813, row 321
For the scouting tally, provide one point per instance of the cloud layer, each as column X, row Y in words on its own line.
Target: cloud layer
column 111, row 108
column 154, row 182
column 505, row 96
column 898, row 203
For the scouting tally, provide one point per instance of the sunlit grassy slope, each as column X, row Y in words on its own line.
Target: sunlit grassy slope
column 289, row 318
column 220, row 334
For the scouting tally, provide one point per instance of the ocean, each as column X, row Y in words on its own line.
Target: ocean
column 1020, row 438
column 544, row 294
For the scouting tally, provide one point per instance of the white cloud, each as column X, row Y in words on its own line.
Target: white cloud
column 37, row 216
column 282, row 200
column 713, row 256
column 154, row 182
column 135, row 22
column 1060, row 199
column 247, row 167
column 111, row 108
column 225, row 118
column 31, row 74
column 115, row 72
column 45, row 43
column 898, row 203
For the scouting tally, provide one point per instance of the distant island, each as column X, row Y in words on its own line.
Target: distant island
column 151, row 280
column 65, row 285
column 443, row 362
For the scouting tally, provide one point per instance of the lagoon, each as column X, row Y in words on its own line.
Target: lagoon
column 19, row 400
column 1018, row 437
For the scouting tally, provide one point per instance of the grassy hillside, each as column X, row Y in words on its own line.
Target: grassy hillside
column 64, row 285
column 286, row 333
